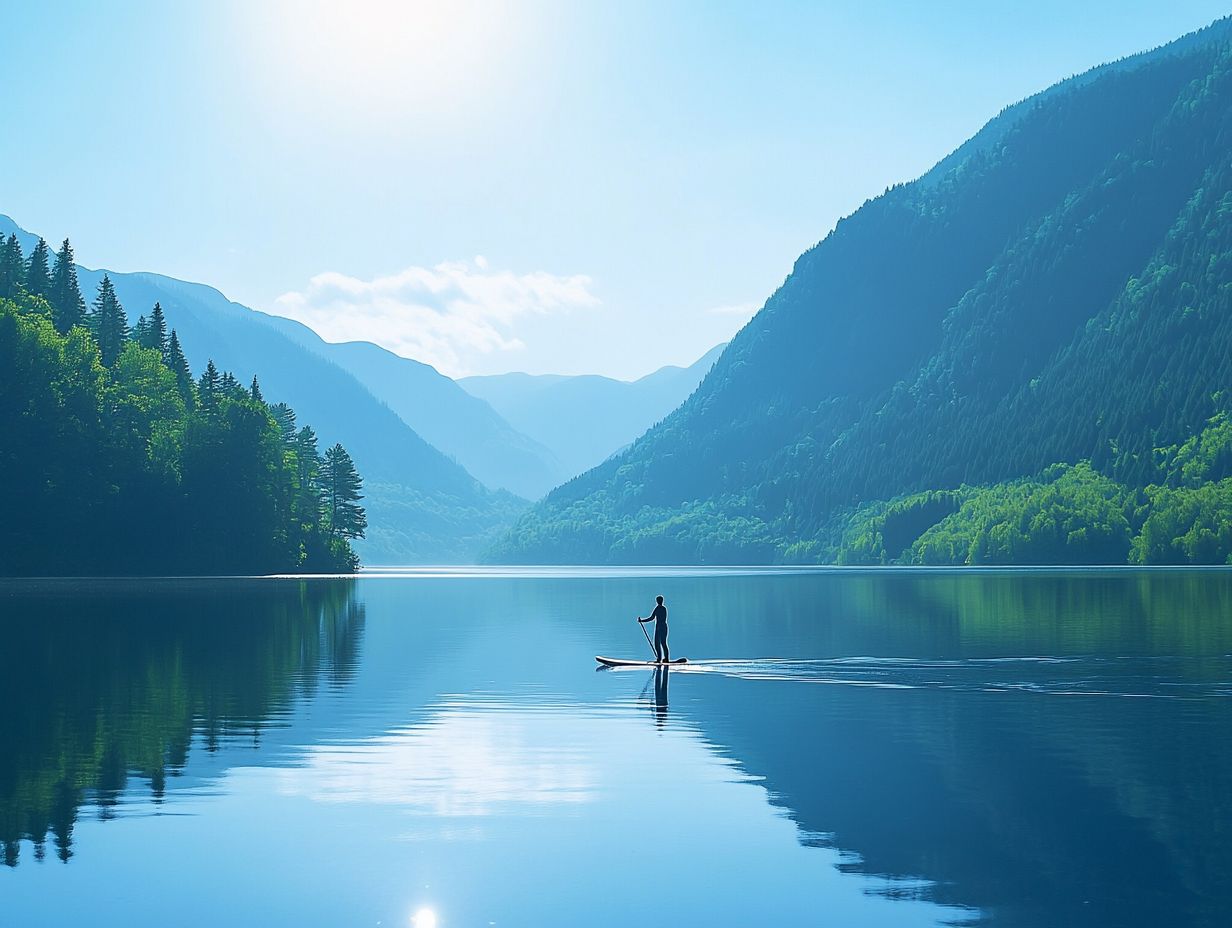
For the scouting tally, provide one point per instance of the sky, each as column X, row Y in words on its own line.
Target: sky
column 543, row 186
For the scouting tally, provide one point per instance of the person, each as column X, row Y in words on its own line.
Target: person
column 659, row 617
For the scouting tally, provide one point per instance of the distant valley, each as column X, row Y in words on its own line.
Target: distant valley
column 584, row 420
column 445, row 472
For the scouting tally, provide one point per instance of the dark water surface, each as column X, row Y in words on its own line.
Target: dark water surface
column 856, row 748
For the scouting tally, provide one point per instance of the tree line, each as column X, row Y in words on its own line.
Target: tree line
column 118, row 461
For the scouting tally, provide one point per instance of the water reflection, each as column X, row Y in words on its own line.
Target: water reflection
column 117, row 680
column 854, row 748
column 661, row 677
column 470, row 758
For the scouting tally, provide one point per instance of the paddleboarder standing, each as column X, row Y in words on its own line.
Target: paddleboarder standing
column 659, row 617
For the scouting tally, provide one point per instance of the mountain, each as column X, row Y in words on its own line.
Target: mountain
column 448, row 417
column 422, row 506
column 583, row 420
column 1057, row 291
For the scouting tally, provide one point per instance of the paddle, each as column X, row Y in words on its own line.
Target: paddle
column 642, row 626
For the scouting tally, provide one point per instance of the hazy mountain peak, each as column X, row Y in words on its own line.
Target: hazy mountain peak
column 585, row 419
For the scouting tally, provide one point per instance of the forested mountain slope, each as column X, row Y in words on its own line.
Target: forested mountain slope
column 115, row 460
column 1058, row 293
column 422, row 506
column 585, row 419
column 444, row 414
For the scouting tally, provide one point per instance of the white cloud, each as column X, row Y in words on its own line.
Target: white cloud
column 444, row 315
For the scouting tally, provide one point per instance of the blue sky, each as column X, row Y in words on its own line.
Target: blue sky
column 544, row 186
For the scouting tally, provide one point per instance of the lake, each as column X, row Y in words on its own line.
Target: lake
column 852, row 748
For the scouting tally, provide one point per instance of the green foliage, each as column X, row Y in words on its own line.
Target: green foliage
column 108, row 322
column 1072, row 515
column 117, row 468
column 341, row 484
column 38, row 271
column 1186, row 525
column 179, row 367
column 154, row 335
column 68, row 306
column 12, row 269
column 880, row 533
column 1069, row 515
column 1205, row 457
column 1188, row 519
column 1059, row 297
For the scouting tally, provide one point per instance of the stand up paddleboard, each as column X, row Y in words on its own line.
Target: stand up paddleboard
column 613, row 662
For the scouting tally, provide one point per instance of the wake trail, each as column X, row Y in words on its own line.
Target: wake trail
column 1167, row 677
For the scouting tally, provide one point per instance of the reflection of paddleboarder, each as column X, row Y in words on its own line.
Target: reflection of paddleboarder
column 659, row 615
column 661, row 674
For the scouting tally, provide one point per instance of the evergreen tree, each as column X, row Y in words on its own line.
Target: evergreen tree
column 115, row 468
column 341, row 485
column 67, row 304
column 12, row 269
column 109, row 323
column 156, row 332
column 209, row 386
column 141, row 332
column 307, row 454
column 38, row 271
column 256, row 391
column 308, row 501
column 284, row 416
column 179, row 366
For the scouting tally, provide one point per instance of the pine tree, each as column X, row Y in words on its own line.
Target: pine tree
column 68, row 306
column 141, row 332
column 12, row 269
column 179, row 366
column 38, row 271
column 341, row 484
column 308, row 459
column 284, row 415
column 209, row 385
column 156, row 335
column 256, row 391
column 109, row 323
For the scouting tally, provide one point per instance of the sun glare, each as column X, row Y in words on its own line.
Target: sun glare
column 424, row 918
column 390, row 57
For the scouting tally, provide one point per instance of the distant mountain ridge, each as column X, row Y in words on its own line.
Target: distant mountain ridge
column 1057, row 290
column 585, row 419
column 450, row 418
column 422, row 506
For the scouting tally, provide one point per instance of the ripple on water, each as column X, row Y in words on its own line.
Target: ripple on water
column 1147, row 677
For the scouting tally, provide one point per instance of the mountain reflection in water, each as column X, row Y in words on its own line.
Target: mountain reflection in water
column 862, row 748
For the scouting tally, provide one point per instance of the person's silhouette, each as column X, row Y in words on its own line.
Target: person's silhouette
column 659, row 616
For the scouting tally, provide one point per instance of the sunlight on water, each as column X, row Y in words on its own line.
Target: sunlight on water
column 466, row 760
column 844, row 748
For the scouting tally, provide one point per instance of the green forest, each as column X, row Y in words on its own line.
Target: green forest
column 118, row 461
column 1021, row 357
column 1068, row 514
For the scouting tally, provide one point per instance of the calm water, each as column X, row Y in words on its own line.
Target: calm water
column 857, row 749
